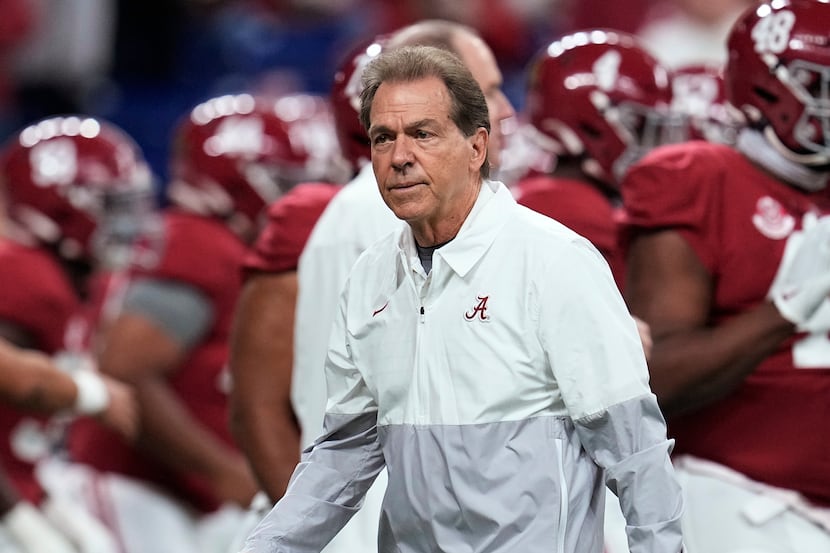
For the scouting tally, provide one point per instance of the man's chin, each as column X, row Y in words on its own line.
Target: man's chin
column 406, row 210
column 407, row 214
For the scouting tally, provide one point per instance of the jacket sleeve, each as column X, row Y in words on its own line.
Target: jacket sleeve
column 598, row 362
column 335, row 472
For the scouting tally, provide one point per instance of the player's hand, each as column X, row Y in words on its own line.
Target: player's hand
column 235, row 483
column 87, row 533
column 33, row 532
column 121, row 413
column 802, row 283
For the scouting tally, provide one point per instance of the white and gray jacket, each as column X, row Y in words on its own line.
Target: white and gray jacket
column 503, row 392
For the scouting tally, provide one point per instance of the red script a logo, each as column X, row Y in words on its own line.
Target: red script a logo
column 480, row 310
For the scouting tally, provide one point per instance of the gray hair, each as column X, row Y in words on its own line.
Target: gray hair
column 468, row 107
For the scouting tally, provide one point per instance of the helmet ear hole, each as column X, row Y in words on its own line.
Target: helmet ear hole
column 766, row 95
column 590, row 131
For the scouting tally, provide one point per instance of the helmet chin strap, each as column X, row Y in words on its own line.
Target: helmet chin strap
column 813, row 159
column 755, row 146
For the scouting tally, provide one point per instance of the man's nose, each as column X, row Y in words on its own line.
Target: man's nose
column 402, row 152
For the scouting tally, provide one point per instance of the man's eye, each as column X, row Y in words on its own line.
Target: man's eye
column 421, row 134
column 380, row 139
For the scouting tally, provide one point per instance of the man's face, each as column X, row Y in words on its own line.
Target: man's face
column 479, row 59
column 426, row 169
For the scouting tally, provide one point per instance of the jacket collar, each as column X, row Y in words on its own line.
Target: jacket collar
column 491, row 211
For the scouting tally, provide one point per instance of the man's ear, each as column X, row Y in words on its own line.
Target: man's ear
column 478, row 148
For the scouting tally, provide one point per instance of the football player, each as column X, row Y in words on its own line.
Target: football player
column 78, row 193
column 262, row 418
column 728, row 261
column 598, row 101
column 262, row 338
column 183, row 484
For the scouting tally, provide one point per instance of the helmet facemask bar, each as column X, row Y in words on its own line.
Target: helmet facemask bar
column 129, row 228
column 642, row 128
column 810, row 83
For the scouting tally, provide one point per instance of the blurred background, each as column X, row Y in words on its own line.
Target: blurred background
column 142, row 64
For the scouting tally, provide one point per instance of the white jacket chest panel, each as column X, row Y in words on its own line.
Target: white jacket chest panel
column 472, row 357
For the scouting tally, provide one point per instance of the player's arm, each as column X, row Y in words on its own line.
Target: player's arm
column 26, row 524
column 693, row 362
column 262, row 419
column 30, row 380
column 144, row 346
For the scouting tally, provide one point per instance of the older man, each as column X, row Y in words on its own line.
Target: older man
column 351, row 222
column 482, row 354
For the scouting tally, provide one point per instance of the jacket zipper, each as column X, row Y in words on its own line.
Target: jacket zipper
column 563, row 498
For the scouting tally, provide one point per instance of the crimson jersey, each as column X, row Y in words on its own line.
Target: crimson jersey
column 36, row 296
column 579, row 206
column 290, row 221
column 202, row 253
column 737, row 219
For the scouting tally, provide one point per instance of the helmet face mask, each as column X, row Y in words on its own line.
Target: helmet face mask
column 699, row 95
column 810, row 83
column 130, row 230
column 778, row 75
column 645, row 128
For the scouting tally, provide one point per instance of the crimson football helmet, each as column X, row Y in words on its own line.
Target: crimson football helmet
column 78, row 184
column 778, row 75
column 234, row 154
column 345, row 101
column 699, row 93
column 599, row 96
